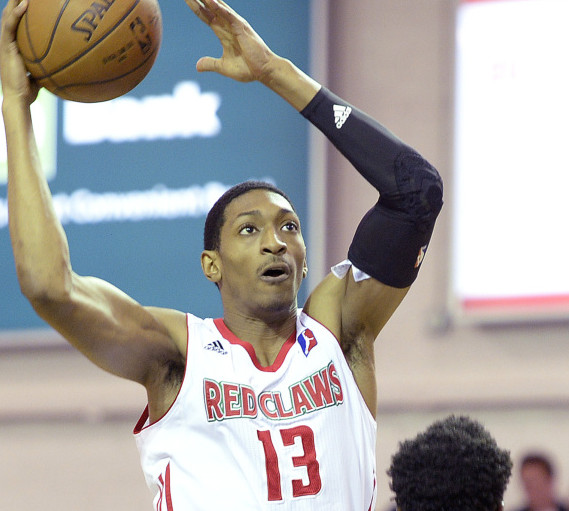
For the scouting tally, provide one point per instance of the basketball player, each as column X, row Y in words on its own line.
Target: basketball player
column 269, row 406
column 454, row 464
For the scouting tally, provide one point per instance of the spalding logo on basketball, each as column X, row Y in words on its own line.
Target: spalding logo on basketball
column 90, row 50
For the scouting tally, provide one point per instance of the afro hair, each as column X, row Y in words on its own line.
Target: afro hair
column 454, row 465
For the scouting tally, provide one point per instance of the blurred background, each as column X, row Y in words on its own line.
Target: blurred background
column 478, row 87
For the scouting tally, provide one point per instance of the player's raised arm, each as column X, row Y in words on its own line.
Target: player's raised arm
column 110, row 328
column 393, row 237
column 391, row 240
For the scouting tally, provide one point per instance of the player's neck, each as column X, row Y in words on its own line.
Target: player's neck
column 266, row 337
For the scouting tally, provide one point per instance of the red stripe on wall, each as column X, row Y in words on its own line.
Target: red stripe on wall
column 485, row 1
column 554, row 302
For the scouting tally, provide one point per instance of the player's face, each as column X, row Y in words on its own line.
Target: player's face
column 262, row 256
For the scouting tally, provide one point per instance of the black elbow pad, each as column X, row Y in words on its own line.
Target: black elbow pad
column 419, row 189
column 392, row 238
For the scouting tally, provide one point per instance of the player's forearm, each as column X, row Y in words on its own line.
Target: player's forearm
column 377, row 154
column 391, row 240
column 370, row 147
column 289, row 82
column 40, row 247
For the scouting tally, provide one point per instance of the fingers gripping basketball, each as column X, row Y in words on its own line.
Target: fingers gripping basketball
column 90, row 50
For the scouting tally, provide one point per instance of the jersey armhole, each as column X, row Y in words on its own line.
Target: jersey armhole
column 361, row 397
column 144, row 422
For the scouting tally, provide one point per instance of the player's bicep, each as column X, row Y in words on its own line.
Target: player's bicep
column 110, row 328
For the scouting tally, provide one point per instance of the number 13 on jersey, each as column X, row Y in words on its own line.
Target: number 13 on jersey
column 307, row 458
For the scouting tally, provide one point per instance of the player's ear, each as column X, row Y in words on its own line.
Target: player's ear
column 304, row 269
column 210, row 265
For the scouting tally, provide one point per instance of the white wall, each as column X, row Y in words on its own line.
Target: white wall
column 393, row 58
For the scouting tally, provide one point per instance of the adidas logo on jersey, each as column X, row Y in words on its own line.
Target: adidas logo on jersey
column 341, row 114
column 217, row 347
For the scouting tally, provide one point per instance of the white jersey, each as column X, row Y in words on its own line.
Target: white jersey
column 293, row 436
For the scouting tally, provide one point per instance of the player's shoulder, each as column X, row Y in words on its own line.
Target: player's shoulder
column 175, row 322
column 325, row 303
column 167, row 316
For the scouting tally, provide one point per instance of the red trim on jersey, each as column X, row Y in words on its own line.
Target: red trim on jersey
column 233, row 339
column 161, row 486
column 169, row 505
column 373, row 493
column 165, row 487
column 140, row 424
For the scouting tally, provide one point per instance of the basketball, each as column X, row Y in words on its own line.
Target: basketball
column 90, row 50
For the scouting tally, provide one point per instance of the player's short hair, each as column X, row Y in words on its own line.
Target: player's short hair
column 455, row 464
column 216, row 216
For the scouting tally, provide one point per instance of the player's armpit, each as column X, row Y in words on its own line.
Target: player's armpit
column 355, row 312
column 366, row 307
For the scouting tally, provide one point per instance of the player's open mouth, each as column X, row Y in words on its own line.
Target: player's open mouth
column 275, row 272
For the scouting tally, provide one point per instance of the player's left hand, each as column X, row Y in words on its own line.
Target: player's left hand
column 245, row 57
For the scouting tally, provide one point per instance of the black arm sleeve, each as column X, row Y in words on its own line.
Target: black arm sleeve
column 392, row 238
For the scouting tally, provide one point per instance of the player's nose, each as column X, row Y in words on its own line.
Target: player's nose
column 272, row 242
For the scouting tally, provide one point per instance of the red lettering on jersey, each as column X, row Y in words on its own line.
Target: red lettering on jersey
column 300, row 401
column 283, row 414
column 336, row 384
column 212, row 395
column 248, row 402
column 274, row 492
column 318, row 388
column 231, row 400
column 264, row 399
column 307, row 459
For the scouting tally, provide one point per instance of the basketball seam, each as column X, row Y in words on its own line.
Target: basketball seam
column 100, row 82
column 52, row 36
column 82, row 54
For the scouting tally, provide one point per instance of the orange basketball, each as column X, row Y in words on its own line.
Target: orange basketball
column 90, row 50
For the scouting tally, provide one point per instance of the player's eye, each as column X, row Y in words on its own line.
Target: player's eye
column 247, row 229
column 290, row 226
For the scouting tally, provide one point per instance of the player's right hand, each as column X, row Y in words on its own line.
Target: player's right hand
column 16, row 82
